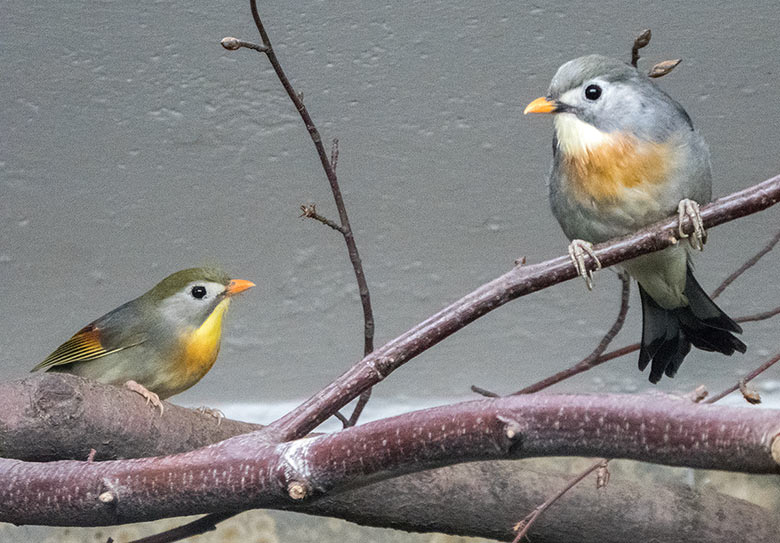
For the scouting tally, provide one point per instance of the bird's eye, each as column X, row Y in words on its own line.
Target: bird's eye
column 198, row 291
column 592, row 92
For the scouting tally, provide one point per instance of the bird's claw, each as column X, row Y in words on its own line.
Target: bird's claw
column 578, row 248
column 150, row 396
column 689, row 208
column 216, row 413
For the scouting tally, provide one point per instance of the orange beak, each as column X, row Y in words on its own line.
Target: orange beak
column 238, row 285
column 541, row 105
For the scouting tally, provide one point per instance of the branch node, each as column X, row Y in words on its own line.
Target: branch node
column 380, row 363
column 776, row 449
column 698, row 394
column 602, row 475
column 297, row 490
column 750, row 395
column 107, row 497
column 512, row 429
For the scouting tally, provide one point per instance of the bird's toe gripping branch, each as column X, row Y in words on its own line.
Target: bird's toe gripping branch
column 689, row 208
column 578, row 248
column 150, row 396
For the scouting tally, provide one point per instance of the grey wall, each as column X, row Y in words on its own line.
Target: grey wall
column 133, row 145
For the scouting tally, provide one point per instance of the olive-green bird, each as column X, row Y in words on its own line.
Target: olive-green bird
column 159, row 344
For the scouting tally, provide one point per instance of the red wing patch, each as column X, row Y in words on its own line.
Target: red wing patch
column 84, row 345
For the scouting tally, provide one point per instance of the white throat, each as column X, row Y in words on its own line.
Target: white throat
column 576, row 137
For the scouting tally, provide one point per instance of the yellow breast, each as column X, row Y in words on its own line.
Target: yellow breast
column 201, row 346
column 605, row 167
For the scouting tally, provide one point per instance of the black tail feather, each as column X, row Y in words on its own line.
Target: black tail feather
column 667, row 334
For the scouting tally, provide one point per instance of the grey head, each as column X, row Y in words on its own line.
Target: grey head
column 615, row 97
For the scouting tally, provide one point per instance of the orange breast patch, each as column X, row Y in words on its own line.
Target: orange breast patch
column 604, row 172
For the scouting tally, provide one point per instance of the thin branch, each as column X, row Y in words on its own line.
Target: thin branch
column 359, row 407
column 641, row 41
column 759, row 316
column 334, row 153
column 484, row 392
column 310, row 212
column 749, row 377
column 327, row 166
column 594, row 358
column 200, row 526
column 525, row 525
column 746, row 266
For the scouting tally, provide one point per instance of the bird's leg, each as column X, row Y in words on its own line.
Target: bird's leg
column 578, row 248
column 150, row 396
column 216, row 413
column 689, row 208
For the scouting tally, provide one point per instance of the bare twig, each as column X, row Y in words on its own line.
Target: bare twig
column 524, row 525
column 746, row 266
column 310, row 212
column 641, row 41
column 484, row 392
column 232, row 44
column 334, row 153
column 349, row 238
column 622, row 351
column 594, row 358
column 328, row 165
column 202, row 525
column 759, row 316
column 749, row 377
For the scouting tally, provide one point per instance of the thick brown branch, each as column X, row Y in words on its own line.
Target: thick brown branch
column 516, row 283
column 54, row 416
column 242, row 473
column 647, row 512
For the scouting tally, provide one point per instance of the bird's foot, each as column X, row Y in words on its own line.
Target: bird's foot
column 216, row 413
column 689, row 208
column 578, row 248
column 150, row 396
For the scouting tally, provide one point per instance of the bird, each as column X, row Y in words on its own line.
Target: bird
column 625, row 155
column 159, row 344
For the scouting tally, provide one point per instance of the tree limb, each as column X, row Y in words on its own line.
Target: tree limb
column 518, row 282
column 241, row 472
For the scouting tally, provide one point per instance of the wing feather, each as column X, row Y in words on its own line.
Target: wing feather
column 85, row 345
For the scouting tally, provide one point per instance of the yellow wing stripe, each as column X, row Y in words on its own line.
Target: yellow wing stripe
column 84, row 345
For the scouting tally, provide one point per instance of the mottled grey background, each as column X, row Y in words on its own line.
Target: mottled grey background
column 133, row 145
